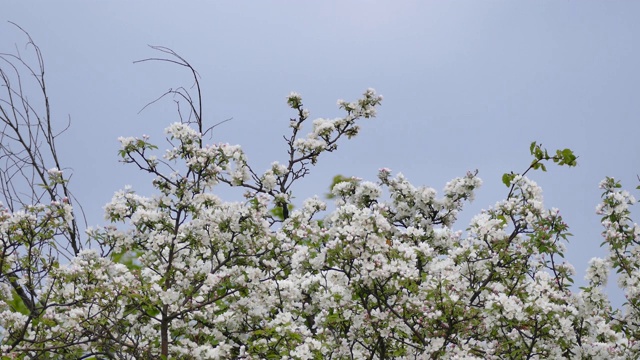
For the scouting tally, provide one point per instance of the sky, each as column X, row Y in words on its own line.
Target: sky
column 467, row 85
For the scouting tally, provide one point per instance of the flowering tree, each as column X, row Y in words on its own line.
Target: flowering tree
column 384, row 275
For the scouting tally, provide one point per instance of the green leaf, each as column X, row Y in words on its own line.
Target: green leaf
column 507, row 178
column 569, row 157
column 278, row 213
column 16, row 303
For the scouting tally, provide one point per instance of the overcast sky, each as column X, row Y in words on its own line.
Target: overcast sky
column 467, row 85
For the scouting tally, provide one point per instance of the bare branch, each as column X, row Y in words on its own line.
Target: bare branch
column 195, row 106
column 31, row 174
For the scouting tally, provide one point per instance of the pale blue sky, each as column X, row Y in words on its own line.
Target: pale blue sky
column 467, row 84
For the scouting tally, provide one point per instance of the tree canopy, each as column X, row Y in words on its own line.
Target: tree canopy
column 386, row 273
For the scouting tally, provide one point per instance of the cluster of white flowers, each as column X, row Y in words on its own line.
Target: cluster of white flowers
column 55, row 174
column 598, row 272
column 323, row 128
column 182, row 132
column 127, row 141
column 269, row 179
column 294, row 100
column 364, row 107
column 310, row 145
